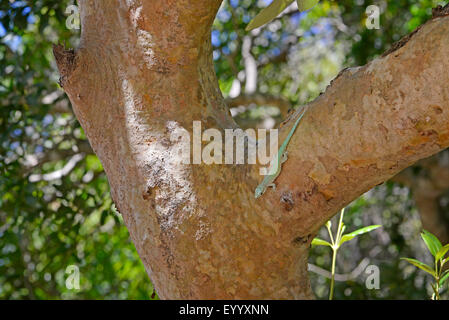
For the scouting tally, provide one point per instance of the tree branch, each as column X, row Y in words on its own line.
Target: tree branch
column 58, row 174
column 371, row 123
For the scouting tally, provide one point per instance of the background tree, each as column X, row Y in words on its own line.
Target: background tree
column 55, row 206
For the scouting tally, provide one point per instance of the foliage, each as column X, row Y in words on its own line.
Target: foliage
column 439, row 252
column 336, row 243
column 48, row 224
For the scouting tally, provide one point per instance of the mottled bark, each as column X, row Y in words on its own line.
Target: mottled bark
column 144, row 71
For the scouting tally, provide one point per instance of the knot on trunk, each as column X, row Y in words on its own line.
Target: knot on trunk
column 66, row 62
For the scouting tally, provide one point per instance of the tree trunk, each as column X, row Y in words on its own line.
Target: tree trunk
column 143, row 73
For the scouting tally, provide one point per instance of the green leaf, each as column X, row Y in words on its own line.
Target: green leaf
column 268, row 14
column 304, row 5
column 431, row 241
column 444, row 277
column 420, row 265
column 320, row 242
column 352, row 235
column 442, row 252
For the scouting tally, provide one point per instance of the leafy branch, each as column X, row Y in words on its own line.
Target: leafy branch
column 336, row 243
column 439, row 252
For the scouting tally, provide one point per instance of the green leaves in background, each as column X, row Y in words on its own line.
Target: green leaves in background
column 275, row 8
column 438, row 251
column 48, row 225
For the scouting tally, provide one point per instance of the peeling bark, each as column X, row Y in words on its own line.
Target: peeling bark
column 143, row 73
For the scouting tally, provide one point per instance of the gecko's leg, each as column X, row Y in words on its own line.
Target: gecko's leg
column 272, row 185
column 284, row 157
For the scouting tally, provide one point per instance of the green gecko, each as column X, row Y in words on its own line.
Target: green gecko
column 281, row 156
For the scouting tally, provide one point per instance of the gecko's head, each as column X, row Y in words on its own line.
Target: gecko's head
column 259, row 191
